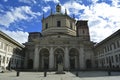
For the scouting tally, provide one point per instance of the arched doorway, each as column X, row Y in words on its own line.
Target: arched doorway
column 74, row 59
column 88, row 63
column 44, row 59
column 30, row 64
column 59, row 57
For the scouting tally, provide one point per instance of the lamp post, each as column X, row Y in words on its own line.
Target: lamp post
column 10, row 65
column 0, row 61
column 0, row 64
column 109, row 70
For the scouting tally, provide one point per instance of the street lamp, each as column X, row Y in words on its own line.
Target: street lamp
column 109, row 70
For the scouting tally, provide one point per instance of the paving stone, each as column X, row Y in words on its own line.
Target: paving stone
column 83, row 75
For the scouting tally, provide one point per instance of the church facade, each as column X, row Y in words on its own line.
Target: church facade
column 61, row 35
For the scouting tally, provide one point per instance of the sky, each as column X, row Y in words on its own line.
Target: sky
column 19, row 17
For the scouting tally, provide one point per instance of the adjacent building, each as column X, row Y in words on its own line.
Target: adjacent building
column 11, row 55
column 61, row 35
column 107, row 52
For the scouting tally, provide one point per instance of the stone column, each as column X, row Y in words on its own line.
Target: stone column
column 36, row 59
column 76, row 64
column 42, row 60
column 51, row 59
column 66, row 58
column 81, row 58
column 26, row 60
column 5, row 59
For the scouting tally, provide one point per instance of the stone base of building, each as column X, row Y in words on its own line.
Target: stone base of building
column 60, row 69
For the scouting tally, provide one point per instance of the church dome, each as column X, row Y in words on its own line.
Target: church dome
column 58, row 23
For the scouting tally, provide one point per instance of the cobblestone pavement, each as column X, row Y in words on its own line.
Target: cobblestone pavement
column 83, row 75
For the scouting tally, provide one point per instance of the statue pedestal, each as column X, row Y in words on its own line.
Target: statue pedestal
column 60, row 69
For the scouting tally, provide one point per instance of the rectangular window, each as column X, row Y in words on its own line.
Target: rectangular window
column 7, row 60
column 46, row 25
column 1, row 45
column 0, row 60
column 11, row 60
column 58, row 24
column 116, row 57
column 112, row 59
column 114, row 46
column 71, row 25
column 110, row 47
column 3, row 59
column 118, row 45
column 105, row 49
column 11, row 49
column 103, row 60
column 109, row 60
column 119, row 57
column 5, row 46
column 106, row 59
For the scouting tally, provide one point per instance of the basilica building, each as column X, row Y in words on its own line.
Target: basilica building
column 60, row 35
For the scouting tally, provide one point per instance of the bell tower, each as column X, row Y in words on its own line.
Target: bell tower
column 58, row 8
column 83, row 30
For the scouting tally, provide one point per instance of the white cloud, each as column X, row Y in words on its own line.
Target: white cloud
column 103, row 19
column 73, row 8
column 93, row 1
column 19, row 36
column 5, row 0
column 55, row 1
column 45, row 9
column 16, row 14
column 116, row 3
column 28, row 1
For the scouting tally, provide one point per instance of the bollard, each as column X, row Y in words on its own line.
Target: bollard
column 109, row 73
column 18, row 73
column 45, row 73
column 2, row 71
column 76, row 73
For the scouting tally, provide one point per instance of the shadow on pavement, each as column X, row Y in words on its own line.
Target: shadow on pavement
column 94, row 73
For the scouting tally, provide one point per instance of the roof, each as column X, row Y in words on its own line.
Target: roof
column 11, row 39
column 82, row 24
column 108, row 38
column 60, row 14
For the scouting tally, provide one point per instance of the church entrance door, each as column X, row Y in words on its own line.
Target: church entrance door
column 72, row 63
column 30, row 64
column 46, row 64
column 88, row 63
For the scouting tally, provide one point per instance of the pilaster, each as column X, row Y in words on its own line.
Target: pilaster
column 36, row 59
column 81, row 58
column 26, row 60
column 51, row 59
column 67, row 63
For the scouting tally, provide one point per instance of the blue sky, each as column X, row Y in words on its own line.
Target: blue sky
column 18, row 17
